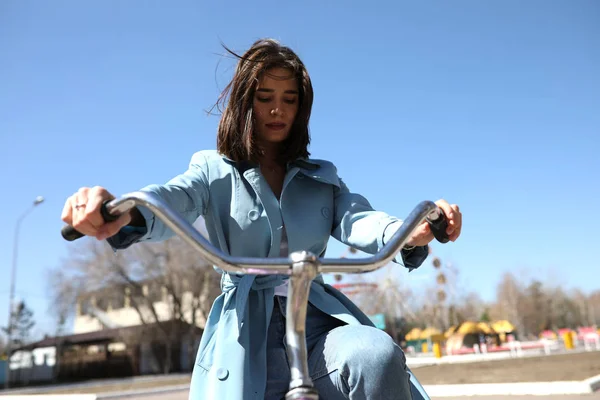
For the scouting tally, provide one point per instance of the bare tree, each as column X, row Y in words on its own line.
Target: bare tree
column 21, row 325
column 2, row 347
column 529, row 303
column 470, row 307
column 594, row 308
column 562, row 312
column 388, row 296
column 170, row 288
column 187, row 285
column 431, row 313
column 449, row 302
column 509, row 295
column 536, row 308
column 581, row 304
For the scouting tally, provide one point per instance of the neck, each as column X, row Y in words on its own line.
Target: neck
column 270, row 153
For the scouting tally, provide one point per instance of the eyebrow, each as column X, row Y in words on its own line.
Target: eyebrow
column 271, row 91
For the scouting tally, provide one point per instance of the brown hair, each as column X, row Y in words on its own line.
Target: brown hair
column 236, row 136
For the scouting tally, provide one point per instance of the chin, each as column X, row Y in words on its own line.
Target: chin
column 275, row 138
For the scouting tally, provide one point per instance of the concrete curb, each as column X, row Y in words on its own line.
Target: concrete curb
column 586, row 386
column 99, row 396
column 49, row 397
column 142, row 392
column 91, row 384
column 426, row 361
column 594, row 382
column 481, row 389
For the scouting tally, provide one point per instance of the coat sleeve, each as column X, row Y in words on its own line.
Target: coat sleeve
column 358, row 225
column 187, row 194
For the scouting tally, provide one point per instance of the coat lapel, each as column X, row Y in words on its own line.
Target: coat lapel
column 270, row 205
column 313, row 169
column 319, row 171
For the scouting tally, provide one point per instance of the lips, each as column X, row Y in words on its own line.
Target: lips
column 276, row 126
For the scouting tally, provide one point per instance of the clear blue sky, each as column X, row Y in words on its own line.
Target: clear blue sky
column 493, row 105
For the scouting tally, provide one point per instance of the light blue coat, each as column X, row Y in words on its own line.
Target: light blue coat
column 244, row 218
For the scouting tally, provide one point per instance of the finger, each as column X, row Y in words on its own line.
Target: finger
column 443, row 204
column 449, row 211
column 80, row 219
column 83, row 226
column 425, row 234
column 457, row 222
column 456, row 216
column 427, row 238
column 80, row 199
column 455, row 234
column 421, row 236
column 67, row 212
column 112, row 228
column 96, row 196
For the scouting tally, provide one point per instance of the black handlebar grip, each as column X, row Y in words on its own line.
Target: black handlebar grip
column 439, row 225
column 69, row 233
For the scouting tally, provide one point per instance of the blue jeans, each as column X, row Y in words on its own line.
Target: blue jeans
column 344, row 361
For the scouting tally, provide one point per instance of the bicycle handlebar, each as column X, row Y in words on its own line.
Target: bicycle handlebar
column 267, row 266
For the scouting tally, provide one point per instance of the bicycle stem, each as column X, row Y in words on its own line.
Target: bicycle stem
column 304, row 269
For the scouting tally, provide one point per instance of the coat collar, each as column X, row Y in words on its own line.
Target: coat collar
column 319, row 170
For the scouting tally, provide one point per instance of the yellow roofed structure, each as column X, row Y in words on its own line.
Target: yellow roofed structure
column 468, row 327
column 486, row 328
column 503, row 326
column 414, row 334
column 429, row 332
column 450, row 331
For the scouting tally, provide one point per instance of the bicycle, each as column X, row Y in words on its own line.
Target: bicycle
column 302, row 267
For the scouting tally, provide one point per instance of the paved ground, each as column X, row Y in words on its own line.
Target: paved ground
column 595, row 396
column 171, row 396
column 562, row 367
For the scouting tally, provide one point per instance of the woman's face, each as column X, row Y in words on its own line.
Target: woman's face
column 275, row 105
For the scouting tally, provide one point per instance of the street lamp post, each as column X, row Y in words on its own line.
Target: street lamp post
column 10, row 326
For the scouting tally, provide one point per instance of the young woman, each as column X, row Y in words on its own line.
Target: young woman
column 262, row 196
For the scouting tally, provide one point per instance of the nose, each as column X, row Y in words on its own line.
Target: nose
column 276, row 111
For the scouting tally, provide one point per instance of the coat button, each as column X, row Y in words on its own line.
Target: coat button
column 325, row 212
column 222, row 374
column 253, row 215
